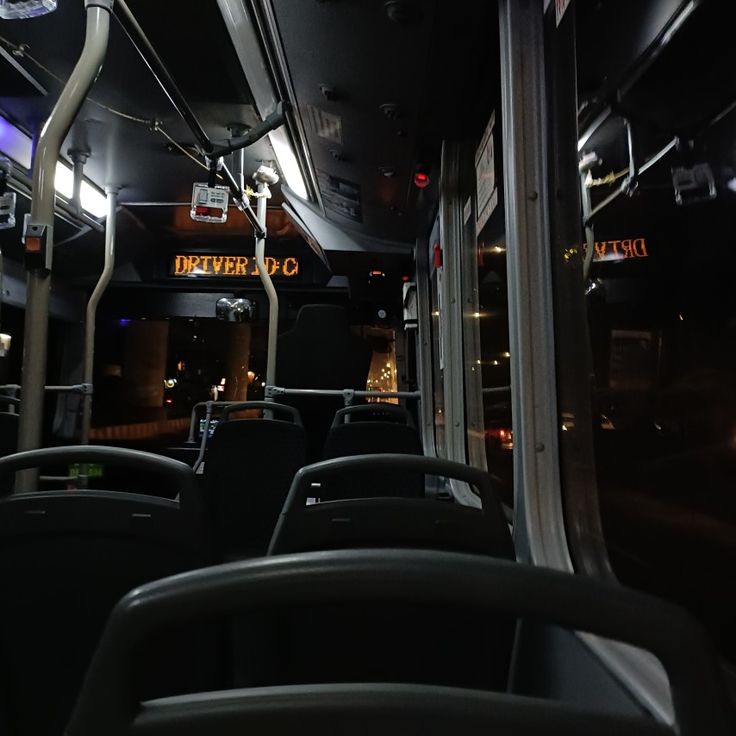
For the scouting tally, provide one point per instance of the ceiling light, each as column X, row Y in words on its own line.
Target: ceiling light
column 15, row 144
column 11, row 9
column 247, row 45
column 91, row 199
column 287, row 162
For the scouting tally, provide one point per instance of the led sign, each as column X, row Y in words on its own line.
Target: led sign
column 619, row 250
column 196, row 265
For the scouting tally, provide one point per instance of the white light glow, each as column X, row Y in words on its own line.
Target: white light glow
column 92, row 200
column 12, row 9
column 16, row 144
column 287, row 162
column 678, row 22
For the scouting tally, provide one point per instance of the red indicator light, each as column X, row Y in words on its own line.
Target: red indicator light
column 169, row 401
column 405, row 279
column 33, row 244
column 200, row 210
column 377, row 273
column 421, row 179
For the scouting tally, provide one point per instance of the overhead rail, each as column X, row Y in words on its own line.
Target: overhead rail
column 39, row 232
column 208, row 148
column 628, row 186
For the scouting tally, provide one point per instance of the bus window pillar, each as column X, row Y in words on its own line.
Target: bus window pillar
column 39, row 234
column 238, row 357
column 539, row 529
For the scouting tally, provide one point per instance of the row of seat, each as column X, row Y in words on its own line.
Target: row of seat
column 66, row 557
column 251, row 463
column 297, row 630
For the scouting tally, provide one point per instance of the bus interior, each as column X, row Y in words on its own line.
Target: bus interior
column 366, row 365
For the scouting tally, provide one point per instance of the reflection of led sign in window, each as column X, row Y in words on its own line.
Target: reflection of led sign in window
column 619, row 250
column 209, row 266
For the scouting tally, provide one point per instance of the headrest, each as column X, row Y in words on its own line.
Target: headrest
column 322, row 317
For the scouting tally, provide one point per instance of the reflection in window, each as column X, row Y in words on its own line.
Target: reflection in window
column 663, row 334
column 491, row 313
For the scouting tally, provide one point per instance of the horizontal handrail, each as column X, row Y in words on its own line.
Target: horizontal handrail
column 393, row 577
column 347, row 394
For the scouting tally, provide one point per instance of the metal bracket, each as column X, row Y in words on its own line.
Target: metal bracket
column 275, row 120
column 272, row 391
column 348, row 396
column 106, row 4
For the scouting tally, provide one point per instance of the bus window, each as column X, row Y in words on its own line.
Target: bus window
column 661, row 317
column 438, row 357
column 383, row 374
column 487, row 356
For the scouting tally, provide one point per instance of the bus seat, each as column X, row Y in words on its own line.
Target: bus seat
column 320, row 352
column 8, row 433
column 249, row 466
column 370, row 429
column 386, row 521
column 417, row 523
column 454, row 583
column 66, row 557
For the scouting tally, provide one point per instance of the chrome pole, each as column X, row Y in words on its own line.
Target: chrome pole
column 41, row 227
column 94, row 300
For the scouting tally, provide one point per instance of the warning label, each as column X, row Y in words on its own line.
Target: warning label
column 340, row 196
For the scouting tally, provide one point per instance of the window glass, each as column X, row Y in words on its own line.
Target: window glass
column 487, row 356
column 661, row 310
column 437, row 340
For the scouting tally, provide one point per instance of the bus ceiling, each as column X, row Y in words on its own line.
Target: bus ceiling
column 357, row 138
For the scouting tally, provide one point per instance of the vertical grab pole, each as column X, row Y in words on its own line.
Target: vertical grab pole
column 588, row 226
column 265, row 176
column 94, row 300
column 39, row 233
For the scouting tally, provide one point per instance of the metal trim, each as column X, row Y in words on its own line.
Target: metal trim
column 539, row 524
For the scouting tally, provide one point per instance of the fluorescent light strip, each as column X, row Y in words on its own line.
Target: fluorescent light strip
column 18, row 146
column 15, row 144
column 247, row 47
column 287, row 162
column 91, row 199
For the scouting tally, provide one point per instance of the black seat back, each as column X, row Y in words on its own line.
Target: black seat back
column 66, row 558
column 320, row 352
column 249, row 467
column 8, row 433
column 390, row 523
column 386, row 521
column 391, row 578
column 370, row 429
